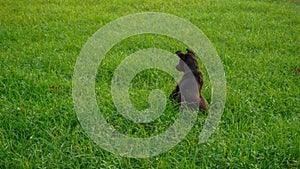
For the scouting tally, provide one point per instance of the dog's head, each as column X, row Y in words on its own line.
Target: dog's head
column 188, row 59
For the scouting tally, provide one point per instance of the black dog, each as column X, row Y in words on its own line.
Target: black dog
column 191, row 73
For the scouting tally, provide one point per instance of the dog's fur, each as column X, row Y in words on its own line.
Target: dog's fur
column 189, row 59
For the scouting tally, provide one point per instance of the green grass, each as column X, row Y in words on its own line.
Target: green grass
column 257, row 41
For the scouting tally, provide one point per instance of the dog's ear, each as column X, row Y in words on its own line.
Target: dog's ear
column 190, row 51
column 181, row 55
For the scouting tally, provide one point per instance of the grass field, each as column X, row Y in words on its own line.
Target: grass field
column 257, row 41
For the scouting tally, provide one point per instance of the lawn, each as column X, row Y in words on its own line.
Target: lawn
column 257, row 41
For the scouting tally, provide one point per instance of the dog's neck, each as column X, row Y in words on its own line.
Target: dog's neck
column 191, row 73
